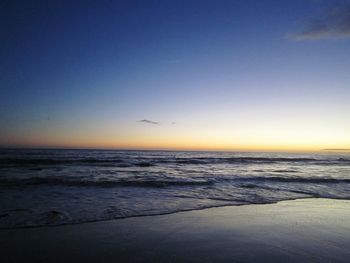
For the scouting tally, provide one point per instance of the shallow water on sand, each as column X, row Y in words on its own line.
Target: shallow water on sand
column 53, row 187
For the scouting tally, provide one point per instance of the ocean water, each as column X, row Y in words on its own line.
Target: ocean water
column 54, row 187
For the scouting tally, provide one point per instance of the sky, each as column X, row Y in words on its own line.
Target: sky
column 192, row 75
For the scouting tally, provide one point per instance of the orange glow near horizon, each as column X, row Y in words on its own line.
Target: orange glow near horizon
column 206, row 133
column 200, row 142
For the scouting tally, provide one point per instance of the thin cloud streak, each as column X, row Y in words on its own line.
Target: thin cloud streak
column 333, row 24
column 149, row 122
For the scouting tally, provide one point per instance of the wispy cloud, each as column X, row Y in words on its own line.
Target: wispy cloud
column 333, row 24
column 150, row 122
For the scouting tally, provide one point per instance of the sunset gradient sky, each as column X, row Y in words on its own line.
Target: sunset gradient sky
column 217, row 75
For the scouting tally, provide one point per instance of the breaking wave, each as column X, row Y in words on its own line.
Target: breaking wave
column 162, row 182
column 69, row 181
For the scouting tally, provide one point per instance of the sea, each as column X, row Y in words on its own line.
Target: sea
column 48, row 187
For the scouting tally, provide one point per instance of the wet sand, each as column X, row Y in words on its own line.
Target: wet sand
column 306, row 230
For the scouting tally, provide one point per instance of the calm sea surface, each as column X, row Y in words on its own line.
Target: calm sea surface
column 53, row 187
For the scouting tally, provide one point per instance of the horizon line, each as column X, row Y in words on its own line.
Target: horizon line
column 336, row 149
column 165, row 149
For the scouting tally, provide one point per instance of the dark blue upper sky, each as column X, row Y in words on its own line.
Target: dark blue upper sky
column 87, row 71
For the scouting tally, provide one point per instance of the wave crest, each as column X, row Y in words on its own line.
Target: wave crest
column 60, row 181
column 148, row 162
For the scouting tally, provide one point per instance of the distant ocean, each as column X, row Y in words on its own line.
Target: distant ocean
column 54, row 187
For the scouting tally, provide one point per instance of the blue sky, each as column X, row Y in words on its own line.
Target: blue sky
column 237, row 74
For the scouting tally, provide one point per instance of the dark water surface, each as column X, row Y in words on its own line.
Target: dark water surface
column 53, row 187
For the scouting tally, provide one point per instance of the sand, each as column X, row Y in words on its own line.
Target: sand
column 306, row 230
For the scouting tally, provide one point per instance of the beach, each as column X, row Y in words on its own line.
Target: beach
column 174, row 131
column 303, row 230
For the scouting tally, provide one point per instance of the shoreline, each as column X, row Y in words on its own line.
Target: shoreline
column 159, row 214
column 311, row 229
